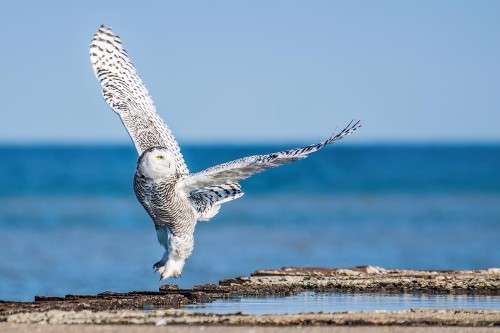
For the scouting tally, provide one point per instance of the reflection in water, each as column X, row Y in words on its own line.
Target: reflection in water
column 335, row 302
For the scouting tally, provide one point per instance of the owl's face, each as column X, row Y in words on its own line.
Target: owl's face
column 157, row 163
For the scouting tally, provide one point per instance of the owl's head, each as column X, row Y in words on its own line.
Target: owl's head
column 157, row 163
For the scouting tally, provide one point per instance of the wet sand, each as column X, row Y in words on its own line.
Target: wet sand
column 421, row 317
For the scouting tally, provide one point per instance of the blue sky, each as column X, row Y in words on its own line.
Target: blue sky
column 259, row 71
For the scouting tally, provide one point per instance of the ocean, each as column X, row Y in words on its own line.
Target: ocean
column 70, row 223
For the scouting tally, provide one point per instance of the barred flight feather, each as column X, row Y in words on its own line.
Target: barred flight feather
column 127, row 95
column 245, row 167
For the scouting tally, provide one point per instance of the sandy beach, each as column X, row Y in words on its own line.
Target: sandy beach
column 23, row 328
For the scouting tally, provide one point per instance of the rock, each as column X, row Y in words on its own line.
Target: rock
column 169, row 287
column 370, row 269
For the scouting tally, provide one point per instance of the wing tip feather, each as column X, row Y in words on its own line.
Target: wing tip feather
column 350, row 128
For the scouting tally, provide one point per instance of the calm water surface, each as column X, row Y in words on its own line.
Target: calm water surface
column 335, row 302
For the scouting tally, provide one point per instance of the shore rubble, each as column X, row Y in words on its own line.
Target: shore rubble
column 140, row 307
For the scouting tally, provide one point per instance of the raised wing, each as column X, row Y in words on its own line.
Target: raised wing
column 125, row 92
column 234, row 171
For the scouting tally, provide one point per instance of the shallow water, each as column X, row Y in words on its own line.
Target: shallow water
column 335, row 302
column 70, row 224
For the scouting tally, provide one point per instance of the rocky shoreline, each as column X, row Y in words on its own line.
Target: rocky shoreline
column 157, row 307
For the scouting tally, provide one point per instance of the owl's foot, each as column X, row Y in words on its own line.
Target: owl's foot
column 157, row 265
column 161, row 262
column 172, row 268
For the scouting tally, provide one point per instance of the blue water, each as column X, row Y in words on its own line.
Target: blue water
column 69, row 222
column 338, row 302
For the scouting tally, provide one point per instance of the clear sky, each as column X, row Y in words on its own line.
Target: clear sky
column 258, row 71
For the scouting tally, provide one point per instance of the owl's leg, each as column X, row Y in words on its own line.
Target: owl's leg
column 178, row 249
column 163, row 234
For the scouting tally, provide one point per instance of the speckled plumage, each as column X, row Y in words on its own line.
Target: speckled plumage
column 125, row 92
column 174, row 199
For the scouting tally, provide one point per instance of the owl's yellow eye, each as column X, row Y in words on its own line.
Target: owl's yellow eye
column 159, row 157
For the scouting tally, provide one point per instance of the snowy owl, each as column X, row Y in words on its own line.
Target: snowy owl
column 174, row 198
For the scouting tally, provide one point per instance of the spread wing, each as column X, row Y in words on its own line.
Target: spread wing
column 125, row 92
column 234, row 171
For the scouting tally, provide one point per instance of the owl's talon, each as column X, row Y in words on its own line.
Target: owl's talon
column 157, row 266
